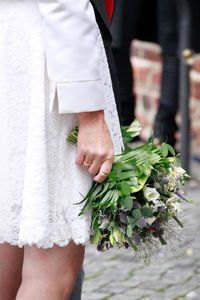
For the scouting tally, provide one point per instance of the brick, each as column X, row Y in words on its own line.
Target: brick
column 146, row 50
column 196, row 65
column 147, row 102
column 156, row 78
column 195, row 89
column 195, row 135
column 140, row 73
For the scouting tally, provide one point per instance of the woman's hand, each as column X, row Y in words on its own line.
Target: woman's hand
column 95, row 148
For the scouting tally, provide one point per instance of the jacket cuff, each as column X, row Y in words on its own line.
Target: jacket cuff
column 76, row 97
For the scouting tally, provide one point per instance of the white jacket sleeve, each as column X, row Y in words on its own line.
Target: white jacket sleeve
column 70, row 36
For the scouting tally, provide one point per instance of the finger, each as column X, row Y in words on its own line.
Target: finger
column 95, row 167
column 106, row 167
column 80, row 158
column 89, row 159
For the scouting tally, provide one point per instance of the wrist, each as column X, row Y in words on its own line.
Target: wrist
column 93, row 116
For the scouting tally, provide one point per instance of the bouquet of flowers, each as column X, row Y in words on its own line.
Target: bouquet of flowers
column 140, row 197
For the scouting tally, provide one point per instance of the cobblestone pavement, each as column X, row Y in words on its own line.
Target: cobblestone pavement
column 117, row 275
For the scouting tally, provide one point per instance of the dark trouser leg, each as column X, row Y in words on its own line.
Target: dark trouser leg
column 125, row 77
column 165, row 124
column 124, row 27
column 76, row 292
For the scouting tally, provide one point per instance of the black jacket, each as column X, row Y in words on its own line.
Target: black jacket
column 104, row 26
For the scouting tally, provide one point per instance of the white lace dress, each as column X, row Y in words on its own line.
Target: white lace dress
column 39, row 181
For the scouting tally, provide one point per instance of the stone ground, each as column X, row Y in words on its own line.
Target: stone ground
column 117, row 274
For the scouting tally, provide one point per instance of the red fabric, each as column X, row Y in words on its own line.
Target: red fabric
column 109, row 7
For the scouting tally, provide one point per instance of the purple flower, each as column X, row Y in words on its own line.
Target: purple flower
column 157, row 225
column 180, row 194
column 165, row 180
column 161, row 208
column 137, row 239
column 122, row 218
column 136, row 204
column 142, row 223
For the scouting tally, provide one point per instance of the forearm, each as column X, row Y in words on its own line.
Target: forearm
column 93, row 117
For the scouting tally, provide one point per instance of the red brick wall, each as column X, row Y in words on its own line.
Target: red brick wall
column 147, row 67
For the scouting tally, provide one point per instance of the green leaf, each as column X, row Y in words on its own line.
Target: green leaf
column 116, row 234
column 96, row 238
column 179, row 162
column 134, row 181
column 129, row 231
column 136, row 213
column 131, row 221
column 133, row 225
column 147, row 212
column 141, row 182
column 87, row 197
column 106, row 186
column 164, row 160
column 72, row 137
column 115, row 196
column 164, row 149
column 111, row 177
column 122, row 237
column 146, row 169
column 107, row 196
column 125, row 188
column 128, row 174
column 189, row 200
column 111, row 238
column 127, row 202
column 129, row 132
column 171, row 150
column 96, row 191
column 178, row 221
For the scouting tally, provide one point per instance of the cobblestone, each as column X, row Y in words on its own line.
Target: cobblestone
column 118, row 275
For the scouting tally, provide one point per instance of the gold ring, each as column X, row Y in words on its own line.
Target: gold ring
column 87, row 164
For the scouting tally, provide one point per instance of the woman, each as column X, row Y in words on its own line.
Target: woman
column 53, row 77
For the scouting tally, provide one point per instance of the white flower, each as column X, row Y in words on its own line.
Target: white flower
column 173, row 199
column 151, row 194
column 157, row 204
column 150, row 220
column 175, row 206
column 157, row 185
column 179, row 171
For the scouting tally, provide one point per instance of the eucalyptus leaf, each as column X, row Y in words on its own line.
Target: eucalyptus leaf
column 133, row 225
column 136, row 213
column 147, row 212
column 129, row 231
column 127, row 202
